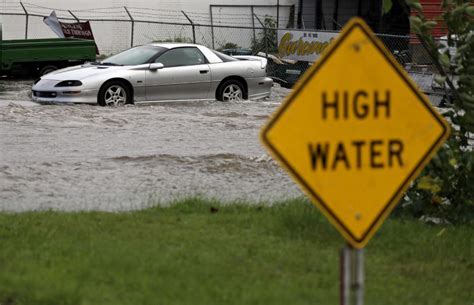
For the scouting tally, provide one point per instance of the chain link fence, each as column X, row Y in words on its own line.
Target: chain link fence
column 250, row 30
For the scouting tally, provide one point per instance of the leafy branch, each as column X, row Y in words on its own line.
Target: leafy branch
column 444, row 189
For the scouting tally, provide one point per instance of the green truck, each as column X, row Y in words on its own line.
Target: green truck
column 36, row 57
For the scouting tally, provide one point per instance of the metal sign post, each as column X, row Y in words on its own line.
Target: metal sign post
column 352, row 276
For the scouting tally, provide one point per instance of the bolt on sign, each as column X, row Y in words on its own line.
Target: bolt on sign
column 354, row 133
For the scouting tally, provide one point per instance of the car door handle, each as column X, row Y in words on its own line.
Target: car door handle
column 203, row 71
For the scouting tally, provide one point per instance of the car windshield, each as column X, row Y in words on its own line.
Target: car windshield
column 134, row 56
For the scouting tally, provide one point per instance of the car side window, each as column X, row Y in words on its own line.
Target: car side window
column 181, row 57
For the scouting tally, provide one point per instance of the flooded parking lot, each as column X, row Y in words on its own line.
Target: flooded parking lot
column 82, row 157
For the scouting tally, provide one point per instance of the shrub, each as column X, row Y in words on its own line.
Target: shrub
column 446, row 187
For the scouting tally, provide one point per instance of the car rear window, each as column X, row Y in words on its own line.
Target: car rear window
column 223, row 57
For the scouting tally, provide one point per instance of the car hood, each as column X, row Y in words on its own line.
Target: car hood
column 81, row 72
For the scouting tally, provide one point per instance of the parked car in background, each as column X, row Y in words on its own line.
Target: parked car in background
column 157, row 72
column 239, row 51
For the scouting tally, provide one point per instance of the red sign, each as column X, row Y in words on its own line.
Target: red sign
column 78, row 30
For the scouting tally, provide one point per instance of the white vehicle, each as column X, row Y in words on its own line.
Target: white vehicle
column 157, row 72
column 444, row 42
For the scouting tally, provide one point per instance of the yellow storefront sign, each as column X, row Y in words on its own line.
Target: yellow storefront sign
column 288, row 46
column 303, row 45
column 355, row 132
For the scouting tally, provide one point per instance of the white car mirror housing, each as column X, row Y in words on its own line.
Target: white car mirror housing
column 156, row 66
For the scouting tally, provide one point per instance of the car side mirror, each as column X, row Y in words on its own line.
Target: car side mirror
column 156, row 66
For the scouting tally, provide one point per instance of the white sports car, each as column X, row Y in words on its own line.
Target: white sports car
column 157, row 72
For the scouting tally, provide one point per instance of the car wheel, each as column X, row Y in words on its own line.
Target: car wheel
column 47, row 69
column 114, row 93
column 230, row 91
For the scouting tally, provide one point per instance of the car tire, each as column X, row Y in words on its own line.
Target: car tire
column 231, row 91
column 47, row 69
column 114, row 93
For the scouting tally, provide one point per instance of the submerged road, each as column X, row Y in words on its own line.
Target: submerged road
column 84, row 157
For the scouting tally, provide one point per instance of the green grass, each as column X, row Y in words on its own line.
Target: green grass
column 240, row 254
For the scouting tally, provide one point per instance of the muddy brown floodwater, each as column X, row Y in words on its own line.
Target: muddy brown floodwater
column 82, row 157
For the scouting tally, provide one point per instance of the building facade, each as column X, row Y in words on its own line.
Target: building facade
column 333, row 14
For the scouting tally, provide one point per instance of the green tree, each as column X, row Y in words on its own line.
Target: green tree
column 228, row 45
column 179, row 39
column 267, row 40
column 446, row 186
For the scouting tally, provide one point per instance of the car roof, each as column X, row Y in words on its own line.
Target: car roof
column 208, row 53
column 172, row 45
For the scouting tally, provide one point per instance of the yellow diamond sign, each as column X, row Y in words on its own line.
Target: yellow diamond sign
column 355, row 132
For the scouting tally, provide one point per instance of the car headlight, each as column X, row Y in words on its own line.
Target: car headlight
column 69, row 83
